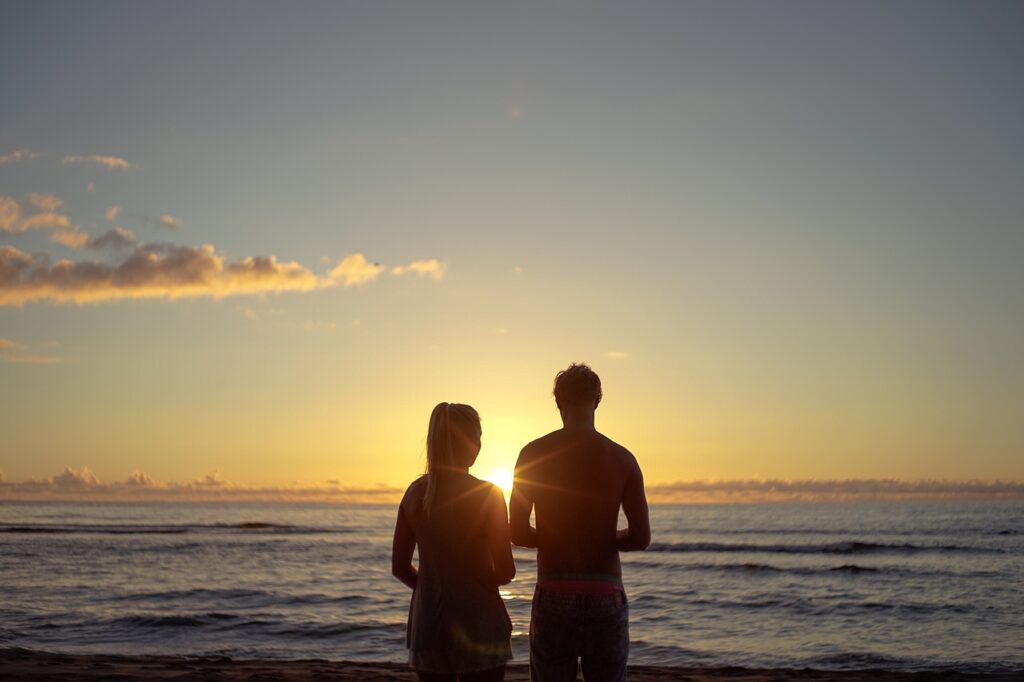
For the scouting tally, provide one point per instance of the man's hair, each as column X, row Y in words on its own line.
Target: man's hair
column 577, row 385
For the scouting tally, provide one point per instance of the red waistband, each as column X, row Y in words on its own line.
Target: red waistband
column 580, row 586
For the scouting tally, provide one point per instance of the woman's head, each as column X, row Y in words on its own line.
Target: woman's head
column 453, row 443
column 453, row 438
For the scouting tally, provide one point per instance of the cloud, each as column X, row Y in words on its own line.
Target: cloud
column 45, row 221
column 210, row 480
column 19, row 155
column 16, row 354
column 114, row 239
column 91, row 187
column 616, row 355
column 167, row 271
column 150, row 271
column 169, row 222
column 137, row 479
column 71, row 237
column 69, row 478
column 432, row 268
column 355, row 269
column 108, row 162
column 112, row 213
column 82, row 484
column 10, row 215
column 812, row 490
column 13, row 221
column 45, row 202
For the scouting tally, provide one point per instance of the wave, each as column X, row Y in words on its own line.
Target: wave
column 971, row 531
column 174, row 620
column 248, row 527
column 845, row 547
column 261, row 624
column 245, row 597
column 751, row 567
column 197, row 593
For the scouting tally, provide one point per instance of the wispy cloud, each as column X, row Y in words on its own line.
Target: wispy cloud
column 19, row 155
column 354, row 269
column 616, row 355
column 431, row 268
column 18, row 354
column 108, row 162
column 71, row 237
column 45, row 202
column 114, row 239
column 14, row 221
column 83, row 484
column 169, row 222
column 812, row 490
column 111, row 213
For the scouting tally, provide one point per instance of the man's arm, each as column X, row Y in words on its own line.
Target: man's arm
column 637, row 534
column 520, row 507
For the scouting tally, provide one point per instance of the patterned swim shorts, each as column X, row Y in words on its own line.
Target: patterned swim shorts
column 593, row 628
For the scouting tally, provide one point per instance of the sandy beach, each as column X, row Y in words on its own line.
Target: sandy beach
column 24, row 664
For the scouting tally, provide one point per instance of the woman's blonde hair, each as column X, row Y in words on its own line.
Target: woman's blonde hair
column 451, row 427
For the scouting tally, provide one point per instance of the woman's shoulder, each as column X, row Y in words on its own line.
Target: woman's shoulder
column 485, row 487
column 415, row 490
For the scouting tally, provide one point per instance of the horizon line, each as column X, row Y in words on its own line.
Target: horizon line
column 83, row 486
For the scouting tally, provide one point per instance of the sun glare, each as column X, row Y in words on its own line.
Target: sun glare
column 501, row 478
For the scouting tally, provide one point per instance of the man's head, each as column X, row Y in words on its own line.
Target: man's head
column 577, row 387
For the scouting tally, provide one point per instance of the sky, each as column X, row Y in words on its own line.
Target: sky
column 252, row 244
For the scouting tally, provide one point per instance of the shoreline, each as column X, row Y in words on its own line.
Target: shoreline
column 41, row 666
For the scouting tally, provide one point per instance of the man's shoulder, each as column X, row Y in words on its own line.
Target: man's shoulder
column 541, row 444
column 616, row 448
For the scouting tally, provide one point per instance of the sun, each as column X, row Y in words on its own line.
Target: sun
column 502, row 478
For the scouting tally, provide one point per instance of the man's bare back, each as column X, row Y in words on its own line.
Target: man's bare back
column 576, row 479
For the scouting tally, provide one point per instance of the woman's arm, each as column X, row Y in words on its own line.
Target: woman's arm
column 402, row 548
column 500, row 543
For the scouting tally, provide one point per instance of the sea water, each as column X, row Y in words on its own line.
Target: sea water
column 886, row 585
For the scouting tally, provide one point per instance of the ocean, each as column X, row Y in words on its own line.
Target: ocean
column 906, row 586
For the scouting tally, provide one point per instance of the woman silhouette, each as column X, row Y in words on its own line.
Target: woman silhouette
column 458, row 626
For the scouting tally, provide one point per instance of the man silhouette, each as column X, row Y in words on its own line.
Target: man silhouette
column 575, row 479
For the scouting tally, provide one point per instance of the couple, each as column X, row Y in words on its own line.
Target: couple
column 575, row 480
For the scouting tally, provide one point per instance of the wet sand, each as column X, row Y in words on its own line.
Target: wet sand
column 34, row 666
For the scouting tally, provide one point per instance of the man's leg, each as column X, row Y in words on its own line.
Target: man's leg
column 554, row 630
column 606, row 639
